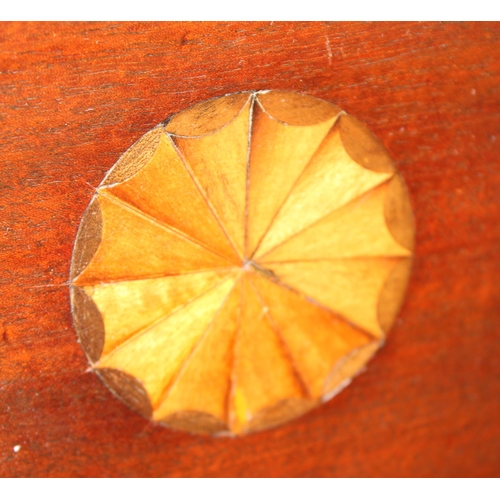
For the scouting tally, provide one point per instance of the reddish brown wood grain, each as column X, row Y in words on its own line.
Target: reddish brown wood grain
column 75, row 96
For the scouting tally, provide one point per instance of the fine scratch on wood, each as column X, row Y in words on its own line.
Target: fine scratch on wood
column 328, row 50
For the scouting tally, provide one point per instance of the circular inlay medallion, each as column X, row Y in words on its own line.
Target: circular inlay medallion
column 241, row 262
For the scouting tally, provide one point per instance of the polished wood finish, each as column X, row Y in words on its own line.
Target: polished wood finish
column 75, row 96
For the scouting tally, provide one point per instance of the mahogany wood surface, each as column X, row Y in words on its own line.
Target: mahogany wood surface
column 75, row 96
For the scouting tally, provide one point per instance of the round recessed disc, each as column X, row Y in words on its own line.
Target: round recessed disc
column 241, row 262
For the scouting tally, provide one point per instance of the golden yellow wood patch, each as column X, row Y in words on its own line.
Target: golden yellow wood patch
column 241, row 263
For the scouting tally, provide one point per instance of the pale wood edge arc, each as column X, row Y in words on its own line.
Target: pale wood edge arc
column 88, row 323
column 134, row 159
column 347, row 368
column 280, row 413
column 398, row 213
column 194, row 422
column 209, row 116
column 292, row 108
column 363, row 146
column 88, row 238
column 128, row 389
column 393, row 293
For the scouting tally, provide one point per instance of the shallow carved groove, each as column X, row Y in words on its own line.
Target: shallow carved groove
column 242, row 262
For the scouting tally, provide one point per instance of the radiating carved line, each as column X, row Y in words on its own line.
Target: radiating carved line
column 203, row 194
column 336, row 314
column 348, row 257
column 232, row 377
column 284, row 344
column 158, row 321
column 293, row 185
column 355, row 199
column 153, row 276
column 189, row 357
column 156, row 222
column 247, row 184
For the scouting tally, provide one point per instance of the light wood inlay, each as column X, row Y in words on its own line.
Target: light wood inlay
column 242, row 262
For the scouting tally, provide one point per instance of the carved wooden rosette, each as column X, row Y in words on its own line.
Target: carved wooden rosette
column 240, row 264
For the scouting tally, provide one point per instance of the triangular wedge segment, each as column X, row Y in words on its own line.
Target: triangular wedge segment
column 263, row 375
column 316, row 338
column 219, row 163
column 134, row 247
column 349, row 287
column 130, row 306
column 331, row 179
column 202, row 386
column 358, row 229
column 280, row 151
column 155, row 355
column 162, row 188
